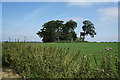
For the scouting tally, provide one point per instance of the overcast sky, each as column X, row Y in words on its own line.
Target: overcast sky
column 24, row 19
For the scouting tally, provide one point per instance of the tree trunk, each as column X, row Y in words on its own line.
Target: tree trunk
column 83, row 38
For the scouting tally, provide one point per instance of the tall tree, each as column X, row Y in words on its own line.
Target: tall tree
column 88, row 28
column 50, row 31
column 68, row 30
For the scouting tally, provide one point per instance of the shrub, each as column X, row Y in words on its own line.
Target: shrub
column 35, row 61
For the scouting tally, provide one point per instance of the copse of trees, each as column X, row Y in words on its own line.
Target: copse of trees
column 58, row 31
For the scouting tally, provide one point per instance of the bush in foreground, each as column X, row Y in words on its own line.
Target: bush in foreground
column 35, row 61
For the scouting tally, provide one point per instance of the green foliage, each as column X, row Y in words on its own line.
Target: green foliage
column 88, row 28
column 51, row 31
column 34, row 60
column 56, row 31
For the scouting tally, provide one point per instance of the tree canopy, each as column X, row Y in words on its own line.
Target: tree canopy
column 88, row 28
column 57, row 31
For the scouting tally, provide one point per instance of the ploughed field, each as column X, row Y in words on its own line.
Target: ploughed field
column 62, row 60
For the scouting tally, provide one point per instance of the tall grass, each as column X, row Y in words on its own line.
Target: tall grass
column 35, row 61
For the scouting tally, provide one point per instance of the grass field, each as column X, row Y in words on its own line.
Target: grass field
column 87, row 48
column 62, row 60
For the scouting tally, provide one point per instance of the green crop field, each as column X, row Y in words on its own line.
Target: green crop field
column 62, row 60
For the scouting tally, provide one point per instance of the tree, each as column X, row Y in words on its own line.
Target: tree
column 57, row 31
column 88, row 28
column 50, row 31
column 68, row 30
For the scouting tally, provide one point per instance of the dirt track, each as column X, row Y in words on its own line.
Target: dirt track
column 9, row 73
